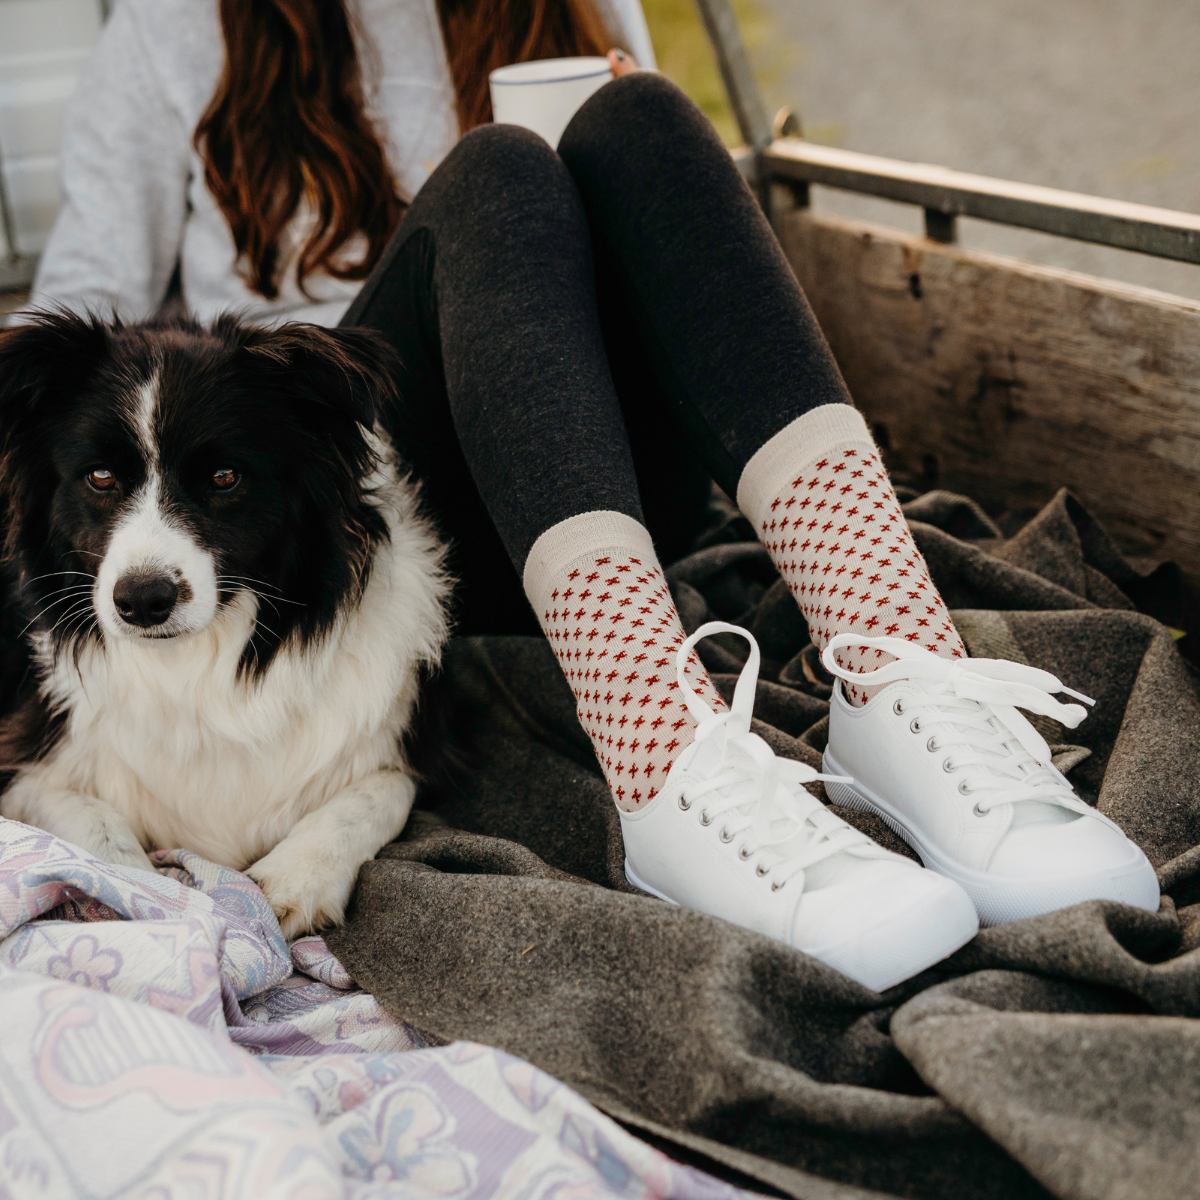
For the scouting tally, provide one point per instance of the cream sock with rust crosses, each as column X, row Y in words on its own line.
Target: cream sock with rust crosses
column 597, row 588
column 822, row 504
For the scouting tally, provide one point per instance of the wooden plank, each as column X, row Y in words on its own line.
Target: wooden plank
column 1159, row 231
column 1007, row 381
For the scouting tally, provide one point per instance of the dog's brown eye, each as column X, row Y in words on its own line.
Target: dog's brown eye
column 102, row 479
column 224, row 478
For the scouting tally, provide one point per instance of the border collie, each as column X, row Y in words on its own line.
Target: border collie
column 230, row 592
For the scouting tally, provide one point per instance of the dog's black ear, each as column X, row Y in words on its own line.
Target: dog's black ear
column 43, row 365
column 327, row 387
column 350, row 370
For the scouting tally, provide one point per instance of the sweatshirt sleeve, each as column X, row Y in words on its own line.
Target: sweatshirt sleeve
column 124, row 167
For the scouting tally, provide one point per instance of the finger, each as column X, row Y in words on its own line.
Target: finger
column 621, row 62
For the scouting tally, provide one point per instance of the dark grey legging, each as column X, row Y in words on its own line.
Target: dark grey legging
column 602, row 328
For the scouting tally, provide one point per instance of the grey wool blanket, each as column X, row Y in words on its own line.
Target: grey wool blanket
column 1056, row 1056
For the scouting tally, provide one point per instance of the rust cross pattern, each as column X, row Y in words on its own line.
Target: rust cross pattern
column 857, row 532
column 615, row 631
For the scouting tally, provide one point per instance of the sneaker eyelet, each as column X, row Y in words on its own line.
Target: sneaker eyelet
column 684, row 802
column 980, row 812
column 743, row 854
column 931, row 745
column 726, row 836
column 948, row 767
column 760, row 870
column 898, row 708
column 963, row 789
column 705, row 819
column 776, row 885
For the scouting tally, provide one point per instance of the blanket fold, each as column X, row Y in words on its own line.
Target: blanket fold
column 1055, row 1056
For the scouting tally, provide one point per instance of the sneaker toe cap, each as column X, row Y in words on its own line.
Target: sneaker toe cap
column 1085, row 846
column 885, row 923
column 1087, row 859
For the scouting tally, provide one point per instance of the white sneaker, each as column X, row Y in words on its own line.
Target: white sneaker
column 733, row 834
column 942, row 754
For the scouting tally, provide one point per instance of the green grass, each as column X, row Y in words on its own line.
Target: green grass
column 684, row 54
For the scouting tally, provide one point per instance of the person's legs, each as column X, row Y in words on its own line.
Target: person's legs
column 509, row 417
column 489, row 295
column 682, row 245
column 934, row 743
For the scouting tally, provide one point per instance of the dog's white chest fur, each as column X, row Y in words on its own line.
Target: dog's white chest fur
column 167, row 735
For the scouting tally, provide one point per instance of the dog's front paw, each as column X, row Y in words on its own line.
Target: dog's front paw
column 133, row 856
column 112, row 841
column 307, row 892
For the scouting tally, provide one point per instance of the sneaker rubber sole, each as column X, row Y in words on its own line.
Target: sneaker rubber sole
column 998, row 900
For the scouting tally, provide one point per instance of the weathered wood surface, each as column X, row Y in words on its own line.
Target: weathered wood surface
column 1006, row 381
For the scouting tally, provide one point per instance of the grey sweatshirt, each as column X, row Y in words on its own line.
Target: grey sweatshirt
column 134, row 198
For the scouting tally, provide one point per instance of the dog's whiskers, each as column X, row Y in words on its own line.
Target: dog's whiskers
column 71, row 588
column 84, row 624
column 262, row 624
column 73, row 613
column 76, row 590
column 52, row 574
column 241, row 579
column 275, row 606
column 61, row 600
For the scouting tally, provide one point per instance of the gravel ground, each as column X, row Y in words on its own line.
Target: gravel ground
column 1096, row 96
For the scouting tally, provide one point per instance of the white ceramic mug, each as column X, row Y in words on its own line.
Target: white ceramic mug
column 545, row 95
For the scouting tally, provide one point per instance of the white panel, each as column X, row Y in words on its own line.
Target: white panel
column 35, row 195
column 35, row 26
column 43, row 45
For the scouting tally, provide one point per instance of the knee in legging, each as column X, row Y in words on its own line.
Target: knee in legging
column 634, row 105
column 496, row 154
column 493, row 165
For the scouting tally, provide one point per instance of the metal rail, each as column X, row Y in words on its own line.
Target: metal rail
column 12, row 257
column 946, row 195
column 741, row 87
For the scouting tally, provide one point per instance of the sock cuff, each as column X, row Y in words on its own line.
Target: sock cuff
column 776, row 463
column 576, row 537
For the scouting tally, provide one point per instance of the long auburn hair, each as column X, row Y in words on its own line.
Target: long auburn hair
column 288, row 121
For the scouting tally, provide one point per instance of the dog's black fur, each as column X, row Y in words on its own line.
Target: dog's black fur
column 286, row 409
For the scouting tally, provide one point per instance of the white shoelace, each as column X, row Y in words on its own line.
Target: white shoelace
column 969, row 710
column 760, row 796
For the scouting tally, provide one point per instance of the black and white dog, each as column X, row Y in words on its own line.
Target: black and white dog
column 231, row 595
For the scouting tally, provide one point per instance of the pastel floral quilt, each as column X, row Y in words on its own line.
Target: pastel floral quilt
column 159, row 1039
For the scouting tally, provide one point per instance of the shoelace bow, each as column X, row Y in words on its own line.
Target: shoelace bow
column 759, row 794
column 972, row 713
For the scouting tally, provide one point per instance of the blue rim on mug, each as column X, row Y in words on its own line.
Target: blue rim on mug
column 500, row 82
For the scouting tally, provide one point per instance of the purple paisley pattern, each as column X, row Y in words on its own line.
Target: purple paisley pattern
column 160, row 1038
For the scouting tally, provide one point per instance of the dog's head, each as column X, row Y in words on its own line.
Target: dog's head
column 152, row 473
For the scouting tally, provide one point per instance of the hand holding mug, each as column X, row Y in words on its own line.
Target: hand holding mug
column 622, row 63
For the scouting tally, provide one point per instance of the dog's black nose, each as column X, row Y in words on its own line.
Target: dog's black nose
column 144, row 599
